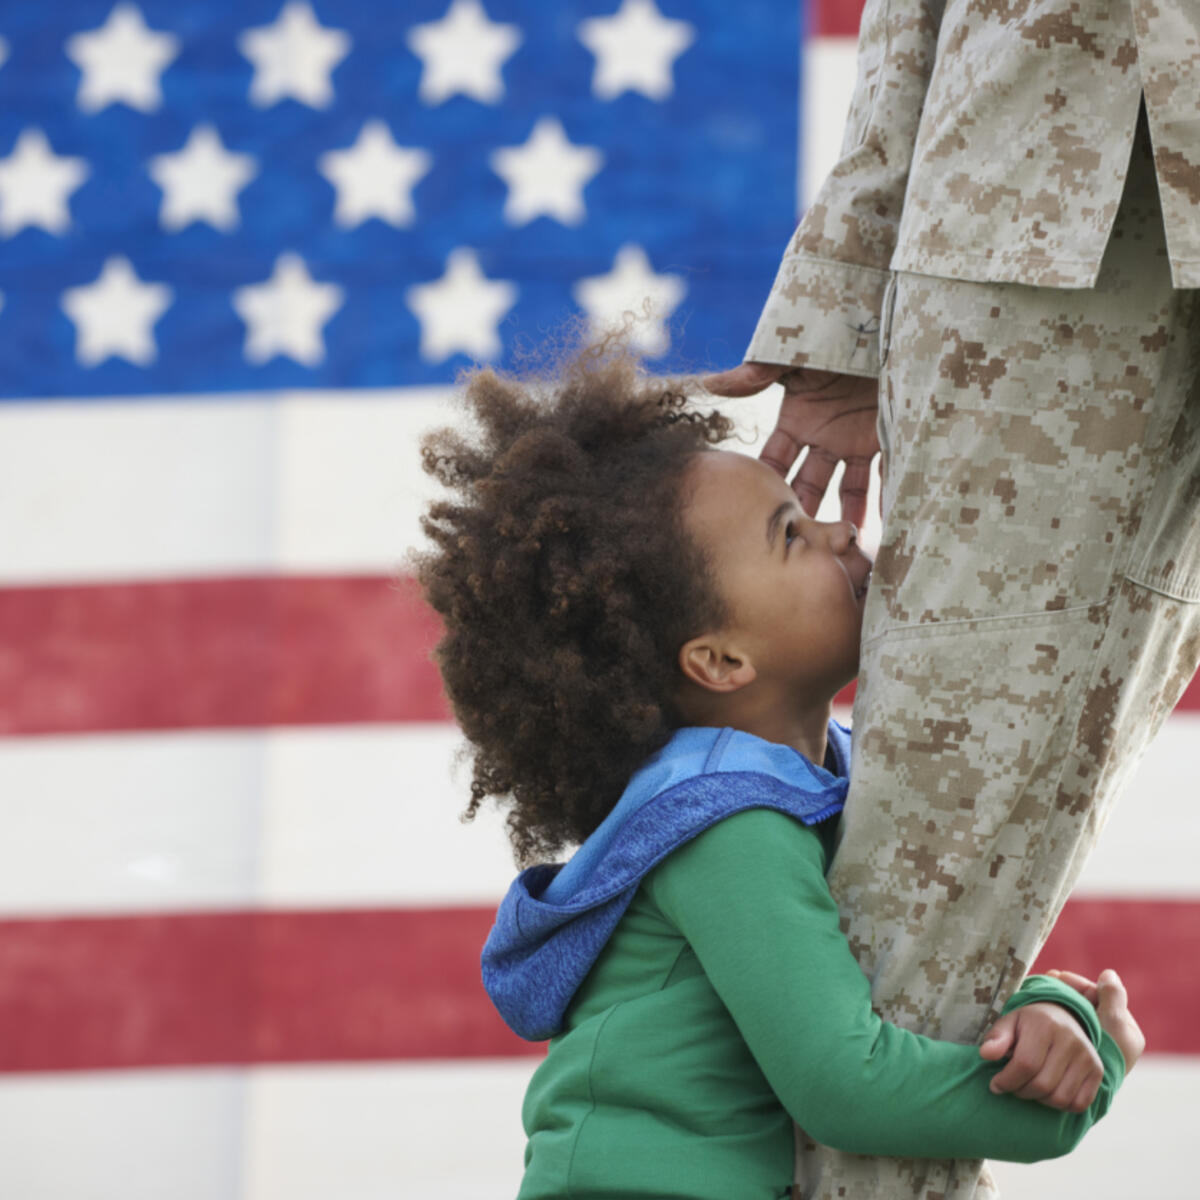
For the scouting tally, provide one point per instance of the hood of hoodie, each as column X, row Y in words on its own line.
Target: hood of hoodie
column 556, row 918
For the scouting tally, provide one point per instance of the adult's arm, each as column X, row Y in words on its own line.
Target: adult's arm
column 750, row 896
column 819, row 332
column 826, row 304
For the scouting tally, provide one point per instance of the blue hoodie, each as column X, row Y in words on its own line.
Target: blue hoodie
column 555, row 919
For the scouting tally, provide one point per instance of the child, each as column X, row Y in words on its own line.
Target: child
column 643, row 639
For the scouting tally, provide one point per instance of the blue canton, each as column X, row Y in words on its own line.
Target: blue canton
column 109, row 287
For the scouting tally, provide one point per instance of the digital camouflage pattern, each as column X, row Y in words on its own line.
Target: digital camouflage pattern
column 1035, row 610
column 1033, row 618
column 988, row 140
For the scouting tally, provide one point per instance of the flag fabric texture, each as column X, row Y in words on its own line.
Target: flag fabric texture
column 244, row 252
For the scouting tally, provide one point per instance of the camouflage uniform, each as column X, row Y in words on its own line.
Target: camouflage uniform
column 1011, row 249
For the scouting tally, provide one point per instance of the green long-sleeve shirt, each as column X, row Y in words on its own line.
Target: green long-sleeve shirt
column 726, row 1004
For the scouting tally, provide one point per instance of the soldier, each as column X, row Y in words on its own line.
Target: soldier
column 1003, row 261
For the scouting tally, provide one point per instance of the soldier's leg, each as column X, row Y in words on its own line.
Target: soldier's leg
column 1034, row 616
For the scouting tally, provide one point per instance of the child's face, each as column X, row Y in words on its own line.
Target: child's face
column 794, row 588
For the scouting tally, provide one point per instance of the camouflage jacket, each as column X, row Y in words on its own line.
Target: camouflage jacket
column 988, row 140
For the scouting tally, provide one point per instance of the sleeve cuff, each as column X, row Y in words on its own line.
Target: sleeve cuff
column 824, row 314
column 1039, row 989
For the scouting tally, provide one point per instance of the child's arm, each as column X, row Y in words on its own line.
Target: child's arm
column 1051, row 1057
column 750, row 896
column 1108, row 996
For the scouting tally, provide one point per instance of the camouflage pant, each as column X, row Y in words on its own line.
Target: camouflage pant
column 1034, row 616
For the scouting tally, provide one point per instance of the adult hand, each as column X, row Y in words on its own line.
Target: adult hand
column 830, row 414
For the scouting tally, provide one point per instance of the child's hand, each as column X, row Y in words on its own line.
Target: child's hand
column 1111, row 1002
column 1052, row 1059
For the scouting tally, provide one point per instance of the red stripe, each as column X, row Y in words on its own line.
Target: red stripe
column 224, row 653
column 401, row 984
column 216, row 652
column 835, row 18
column 1154, row 945
column 246, row 988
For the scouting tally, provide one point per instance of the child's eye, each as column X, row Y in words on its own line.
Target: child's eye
column 790, row 533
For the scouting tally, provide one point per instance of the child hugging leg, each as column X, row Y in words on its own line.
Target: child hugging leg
column 644, row 636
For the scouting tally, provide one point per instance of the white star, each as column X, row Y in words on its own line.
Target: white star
column 375, row 177
column 121, row 61
column 463, row 52
column 3, row 52
column 635, row 50
column 35, row 185
column 286, row 314
column 630, row 287
column 115, row 315
column 546, row 176
column 294, row 57
column 460, row 311
column 201, row 181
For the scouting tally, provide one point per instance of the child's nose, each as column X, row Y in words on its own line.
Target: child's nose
column 842, row 535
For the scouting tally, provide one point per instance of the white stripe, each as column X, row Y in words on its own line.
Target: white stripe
column 828, row 85
column 433, row 1131
column 136, row 1135
column 367, row 816
column 119, row 489
column 1149, row 846
column 322, row 482
column 1142, row 1148
column 289, row 818
column 371, row 817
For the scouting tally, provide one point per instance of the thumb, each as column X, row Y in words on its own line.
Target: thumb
column 746, row 380
column 1114, row 999
column 1000, row 1038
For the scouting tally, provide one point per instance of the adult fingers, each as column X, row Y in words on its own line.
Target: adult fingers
column 812, row 480
column 780, row 451
column 856, row 480
column 745, row 380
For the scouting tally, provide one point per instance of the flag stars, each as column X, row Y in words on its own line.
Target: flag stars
column 635, row 50
column 201, row 181
column 36, row 185
column 121, row 62
column 632, row 287
column 115, row 315
column 459, row 312
column 287, row 313
column 546, row 176
column 375, row 178
column 462, row 54
column 294, row 58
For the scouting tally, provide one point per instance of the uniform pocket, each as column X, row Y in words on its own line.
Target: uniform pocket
column 1166, row 548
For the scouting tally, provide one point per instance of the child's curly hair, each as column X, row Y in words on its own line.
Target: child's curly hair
column 566, row 583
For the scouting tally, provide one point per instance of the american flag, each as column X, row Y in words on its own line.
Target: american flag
column 244, row 250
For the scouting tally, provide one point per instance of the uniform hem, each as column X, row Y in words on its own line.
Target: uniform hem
column 1056, row 273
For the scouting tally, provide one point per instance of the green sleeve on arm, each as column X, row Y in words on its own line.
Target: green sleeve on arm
column 750, row 896
column 1040, row 989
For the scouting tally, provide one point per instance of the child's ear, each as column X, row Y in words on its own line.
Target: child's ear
column 715, row 665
